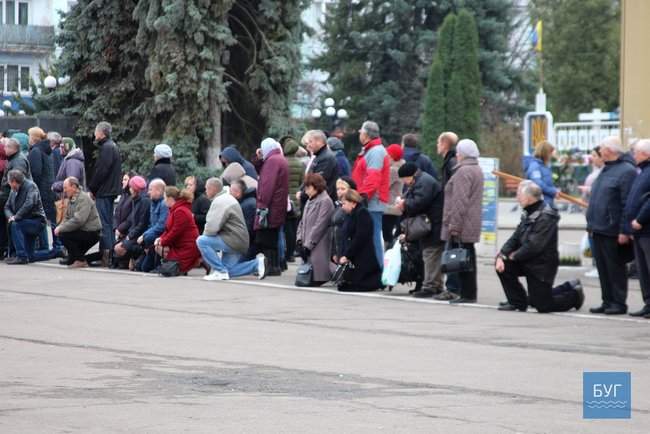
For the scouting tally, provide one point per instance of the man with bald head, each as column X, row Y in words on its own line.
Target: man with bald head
column 608, row 226
column 446, row 148
column 157, row 218
column 637, row 214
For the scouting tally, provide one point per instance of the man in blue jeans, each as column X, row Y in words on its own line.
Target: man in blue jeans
column 105, row 186
column 25, row 216
column 226, row 232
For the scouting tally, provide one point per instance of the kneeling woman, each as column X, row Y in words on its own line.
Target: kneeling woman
column 365, row 273
column 178, row 241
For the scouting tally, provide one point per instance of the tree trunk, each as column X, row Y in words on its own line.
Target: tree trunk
column 214, row 143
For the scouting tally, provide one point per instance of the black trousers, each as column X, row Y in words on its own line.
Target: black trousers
column 389, row 224
column 612, row 271
column 78, row 242
column 290, row 228
column 467, row 280
column 642, row 256
column 541, row 295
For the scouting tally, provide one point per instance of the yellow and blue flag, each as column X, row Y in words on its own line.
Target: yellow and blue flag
column 536, row 36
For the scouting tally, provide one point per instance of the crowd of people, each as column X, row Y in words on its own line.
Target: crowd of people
column 303, row 198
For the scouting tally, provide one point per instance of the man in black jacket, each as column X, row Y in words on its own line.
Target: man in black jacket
column 532, row 252
column 323, row 162
column 414, row 155
column 446, row 148
column 105, row 185
column 25, row 216
column 424, row 197
column 15, row 161
column 606, row 223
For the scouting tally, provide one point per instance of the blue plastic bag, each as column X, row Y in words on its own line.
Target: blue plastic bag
column 392, row 265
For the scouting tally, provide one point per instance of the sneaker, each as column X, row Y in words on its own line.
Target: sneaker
column 593, row 273
column 17, row 261
column 217, row 275
column 446, row 296
column 262, row 266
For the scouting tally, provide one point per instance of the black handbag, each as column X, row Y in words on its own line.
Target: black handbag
column 455, row 259
column 305, row 275
column 169, row 268
column 338, row 276
column 416, row 228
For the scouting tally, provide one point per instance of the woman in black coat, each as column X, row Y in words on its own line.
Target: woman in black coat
column 201, row 203
column 365, row 273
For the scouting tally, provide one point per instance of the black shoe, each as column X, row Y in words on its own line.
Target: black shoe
column 17, row 261
column 425, row 293
column 65, row 261
column 599, row 309
column 462, row 300
column 643, row 312
column 509, row 308
column 504, row 303
column 616, row 311
column 647, row 315
column 581, row 296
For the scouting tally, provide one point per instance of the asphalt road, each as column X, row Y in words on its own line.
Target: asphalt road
column 97, row 351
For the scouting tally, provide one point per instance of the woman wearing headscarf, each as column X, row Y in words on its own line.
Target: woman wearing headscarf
column 162, row 166
column 72, row 165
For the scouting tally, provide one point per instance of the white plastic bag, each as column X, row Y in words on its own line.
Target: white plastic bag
column 392, row 265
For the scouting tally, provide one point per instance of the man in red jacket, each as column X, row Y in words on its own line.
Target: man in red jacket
column 371, row 172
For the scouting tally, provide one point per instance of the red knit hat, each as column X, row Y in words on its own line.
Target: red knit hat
column 138, row 183
column 395, row 151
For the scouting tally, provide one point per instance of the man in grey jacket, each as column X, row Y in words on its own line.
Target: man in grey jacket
column 25, row 216
column 225, row 231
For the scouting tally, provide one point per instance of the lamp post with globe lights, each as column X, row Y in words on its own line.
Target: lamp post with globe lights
column 336, row 116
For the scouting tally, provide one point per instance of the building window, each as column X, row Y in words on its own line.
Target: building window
column 24, row 78
column 23, row 9
column 13, row 78
column 10, row 12
column 2, row 78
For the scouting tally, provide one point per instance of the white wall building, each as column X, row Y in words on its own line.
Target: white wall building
column 27, row 29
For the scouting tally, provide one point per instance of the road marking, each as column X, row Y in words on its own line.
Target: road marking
column 332, row 291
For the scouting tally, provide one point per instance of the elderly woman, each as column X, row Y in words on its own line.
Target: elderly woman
column 365, row 273
column 314, row 236
column 537, row 170
column 178, row 242
column 137, row 221
column 162, row 166
column 72, row 165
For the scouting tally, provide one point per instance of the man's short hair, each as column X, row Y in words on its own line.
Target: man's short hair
column 16, row 176
column 643, row 145
column 450, row 137
column 72, row 180
column 371, row 129
column 314, row 134
column 530, row 189
column 613, row 143
column 105, row 128
column 214, row 182
column 239, row 185
column 13, row 144
column 55, row 137
column 410, row 140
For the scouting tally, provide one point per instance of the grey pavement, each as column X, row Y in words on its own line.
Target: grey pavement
column 105, row 351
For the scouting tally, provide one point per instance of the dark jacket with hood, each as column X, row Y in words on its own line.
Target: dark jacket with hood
column 342, row 162
column 425, row 196
column 534, row 242
column 25, row 203
column 200, row 204
column 421, row 160
column 231, row 155
column 107, row 176
column 164, row 170
column 609, row 194
column 637, row 206
column 73, row 165
column 248, row 203
column 366, row 274
column 40, row 162
column 138, row 219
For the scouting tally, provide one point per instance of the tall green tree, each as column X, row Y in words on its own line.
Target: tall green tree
column 581, row 49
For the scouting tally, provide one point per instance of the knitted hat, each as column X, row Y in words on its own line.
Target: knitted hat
column 407, row 169
column 269, row 145
column 467, row 148
column 395, row 151
column 335, row 144
column 138, row 183
column 162, row 151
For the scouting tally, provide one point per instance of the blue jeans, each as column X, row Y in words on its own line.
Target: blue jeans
column 105, row 211
column 282, row 244
column 229, row 261
column 23, row 236
column 377, row 217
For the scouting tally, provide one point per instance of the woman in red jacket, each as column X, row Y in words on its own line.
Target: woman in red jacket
column 178, row 241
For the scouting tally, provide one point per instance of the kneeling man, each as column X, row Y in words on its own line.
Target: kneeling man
column 225, row 231
column 532, row 252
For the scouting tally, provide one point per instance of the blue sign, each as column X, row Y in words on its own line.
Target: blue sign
column 606, row 395
column 489, row 217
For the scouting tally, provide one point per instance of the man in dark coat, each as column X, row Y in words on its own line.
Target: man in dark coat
column 15, row 161
column 162, row 166
column 247, row 201
column 532, row 252
column 446, row 148
column 637, row 214
column 40, row 162
column 424, row 197
column 414, row 155
column 343, row 164
column 323, row 162
column 230, row 154
column 105, row 185
column 606, row 222
column 25, row 216
column 272, row 197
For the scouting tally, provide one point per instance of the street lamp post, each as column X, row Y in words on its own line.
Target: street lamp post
column 331, row 112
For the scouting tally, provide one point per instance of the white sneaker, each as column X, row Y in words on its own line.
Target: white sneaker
column 261, row 266
column 217, row 275
column 592, row 273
